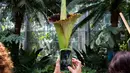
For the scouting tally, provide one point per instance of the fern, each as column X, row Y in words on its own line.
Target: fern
column 7, row 36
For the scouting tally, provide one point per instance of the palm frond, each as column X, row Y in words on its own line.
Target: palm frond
column 36, row 6
column 73, row 3
column 97, row 10
column 89, row 1
column 90, row 7
column 99, row 15
column 88, row 18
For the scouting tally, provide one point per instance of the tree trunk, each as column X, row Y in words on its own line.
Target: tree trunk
column 18, row 22
column 114, row 18
column 15, row 46
column 114, row 21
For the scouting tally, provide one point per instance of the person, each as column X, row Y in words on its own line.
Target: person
column 75, row 69
column 120, row 63
column 6, row 65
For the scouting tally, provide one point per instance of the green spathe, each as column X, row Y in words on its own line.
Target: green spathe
column 64, row 30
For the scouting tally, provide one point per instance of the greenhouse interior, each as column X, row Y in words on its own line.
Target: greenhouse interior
column 64, row 36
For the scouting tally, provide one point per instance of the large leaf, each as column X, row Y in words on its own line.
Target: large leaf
column 105, row 39
column 29, row 57
column 93, row 14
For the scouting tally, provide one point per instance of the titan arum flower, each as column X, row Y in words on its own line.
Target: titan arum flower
column 64, row 26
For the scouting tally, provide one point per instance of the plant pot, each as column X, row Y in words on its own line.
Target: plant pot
column 65, row 59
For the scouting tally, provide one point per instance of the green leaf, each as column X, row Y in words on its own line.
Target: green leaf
column 114, row 30
column 105, row 39
column 3, row 28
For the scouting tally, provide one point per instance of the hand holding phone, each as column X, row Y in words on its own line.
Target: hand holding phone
column 75, row 69
column 65, row 59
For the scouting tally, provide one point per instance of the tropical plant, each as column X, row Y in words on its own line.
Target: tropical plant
column 93, row 59
column 64, row 26
column 98, row 8
column 101, row 44
column 19, row 8
column 106, row 37
column 29, row 62
column 89, row 70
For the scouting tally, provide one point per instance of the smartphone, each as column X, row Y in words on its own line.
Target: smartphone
column 65, row 59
